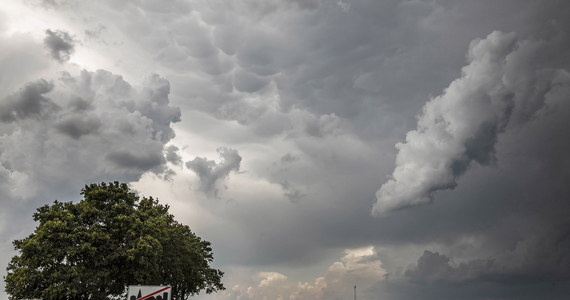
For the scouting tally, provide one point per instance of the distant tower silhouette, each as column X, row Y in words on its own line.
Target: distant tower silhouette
column 355, row 292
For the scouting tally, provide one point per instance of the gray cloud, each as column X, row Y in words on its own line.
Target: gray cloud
column 292, row 187
column 21, row 60
column 288, row 158
column 156, row 90
column 248, row 82
column 172, row 155
column 95, row 124
column 291, row 192
column 28, row 102
column 211, row 173
column 77, row 125
column 143, row 162
column 60, row 134
column 504, row 80
column 348, row 83
column 337, row 84
column 60, row 44
column 435, row 267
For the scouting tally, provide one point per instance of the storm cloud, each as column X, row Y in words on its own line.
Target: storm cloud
column 172, row 155
column 60, row 44
column 212, row 173
column 28, row 102
column 103, row 125
column 503, row 86
column 61, row 133
column 310, row 98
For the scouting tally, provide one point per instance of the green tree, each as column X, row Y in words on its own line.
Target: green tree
column 112, row 238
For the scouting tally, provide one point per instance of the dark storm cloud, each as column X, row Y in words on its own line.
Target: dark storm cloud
column 172, row 155
column 538, row 88
column 60, row 44
column 539, row 273
column 143, row 162
column 338, row 84
column 371, row 66
column 211, row 173
column 435, row 267
column 28, row 102
column 467, row 291
column 77, row 126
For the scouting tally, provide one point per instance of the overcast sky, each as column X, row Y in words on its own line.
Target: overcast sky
column 415, row 149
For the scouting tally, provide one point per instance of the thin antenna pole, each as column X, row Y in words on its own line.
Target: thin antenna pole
column 355, row 292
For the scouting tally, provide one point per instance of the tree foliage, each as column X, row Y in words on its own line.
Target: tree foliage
column 112, row 238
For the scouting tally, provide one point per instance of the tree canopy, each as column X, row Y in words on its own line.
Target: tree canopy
column 112, row 238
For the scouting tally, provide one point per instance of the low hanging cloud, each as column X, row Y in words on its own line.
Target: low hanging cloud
column 60, row 44
column 539, row 257
column 435, row 267
column 505, row 84
column 211, row 173
column 361, row 266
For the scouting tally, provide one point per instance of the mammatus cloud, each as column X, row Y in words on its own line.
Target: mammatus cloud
column 60, row 44
column 505, row 84
column 211, row 173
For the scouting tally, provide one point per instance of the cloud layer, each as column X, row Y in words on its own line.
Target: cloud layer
column 309, row 98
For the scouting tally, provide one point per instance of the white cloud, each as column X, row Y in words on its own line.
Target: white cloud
column 360, row 267
column 504, row 85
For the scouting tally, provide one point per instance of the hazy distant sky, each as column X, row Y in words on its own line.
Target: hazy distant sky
column 416, row 149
